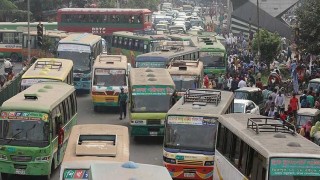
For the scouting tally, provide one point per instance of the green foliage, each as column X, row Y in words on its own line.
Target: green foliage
column 7, row 5
column 10, row 15
column 148, row 4
column 269, row 46
column 107, row 4
column 309, row 18
column 47, row 44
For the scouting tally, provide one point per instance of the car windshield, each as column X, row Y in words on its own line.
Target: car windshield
column 81, row 61
column 212, row 60
column 302, row 120
column 239, row 107
column 110, row 77
column 151, row 103
column 240, row 95
column 21, row 133
column 198, row 137
column 292, row 168
column 183, row 83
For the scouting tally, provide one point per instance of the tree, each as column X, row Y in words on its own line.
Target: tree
column 308, row 16
column 269, row 46
column 7, row 5
column 107, row 4
column 149, row 4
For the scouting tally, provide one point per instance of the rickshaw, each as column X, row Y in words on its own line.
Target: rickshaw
column 306, row 114
column 274, row 79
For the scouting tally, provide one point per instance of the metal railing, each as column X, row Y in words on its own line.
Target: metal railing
column 270, row 125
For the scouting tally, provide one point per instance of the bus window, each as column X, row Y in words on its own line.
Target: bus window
column 141, row 46
column 125, row 43
column 130, row 46
column 136, row 45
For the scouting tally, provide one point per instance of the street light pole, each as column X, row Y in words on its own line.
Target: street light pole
column 28, row 39
column 258, row 14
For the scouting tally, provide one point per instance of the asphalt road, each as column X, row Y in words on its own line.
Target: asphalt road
column 142, row 150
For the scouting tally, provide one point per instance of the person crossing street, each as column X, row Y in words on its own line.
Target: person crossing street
column 122, row 101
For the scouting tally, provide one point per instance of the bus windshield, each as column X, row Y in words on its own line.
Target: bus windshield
column 81, row 61
column 181, row 136
column 151, row 103
column 294, row 169
column 19, row 132
column 184, row 83
column 212, row 60
column 110, row 77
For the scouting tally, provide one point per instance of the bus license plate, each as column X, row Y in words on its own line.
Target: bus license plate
column 192, row 175
column 153, row 133
column 21, row 171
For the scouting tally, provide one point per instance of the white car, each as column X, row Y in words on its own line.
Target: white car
column 245, row 106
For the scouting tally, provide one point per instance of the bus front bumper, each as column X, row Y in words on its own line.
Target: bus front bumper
column 99, row 100
column 29, row 168
column 182, row 171
column 147, row 130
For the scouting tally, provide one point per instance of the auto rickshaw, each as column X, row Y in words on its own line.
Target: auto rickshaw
column 306, row 114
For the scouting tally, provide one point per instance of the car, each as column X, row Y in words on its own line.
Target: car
column 251, row 93
column 245, row 106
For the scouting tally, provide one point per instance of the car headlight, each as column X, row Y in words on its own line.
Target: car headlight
column 3, row 157
column 209, row 163
column 169, row 160
column 43, row 158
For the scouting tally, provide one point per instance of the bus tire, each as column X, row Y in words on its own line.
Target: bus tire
column 4, row 176
column 14, row 57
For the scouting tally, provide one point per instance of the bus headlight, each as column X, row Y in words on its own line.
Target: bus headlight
column 3, row 157
column 169, row 160
column 209, row 163
column 43, row 158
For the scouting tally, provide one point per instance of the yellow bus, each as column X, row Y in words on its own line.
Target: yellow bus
column 48, row 69
column 29, row 128
column 93, row 143
column 186, row 74
column 110, row 74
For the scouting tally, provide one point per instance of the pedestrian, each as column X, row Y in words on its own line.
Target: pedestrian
column 308, row 129
column 280, row 102
column 303, row 131
column 206, row 81
column 310, row 99
column 60, row 132
column 294, row 104
column 242, row 83
column 304, row 102
column 259, row 84
column 234, row 84
column 220, row 81
column 229, row 83
column 267, row 106
column 122, row 102
column 272, row 111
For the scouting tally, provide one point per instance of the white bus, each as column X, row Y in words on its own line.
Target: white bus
column 257, row 147
column 82, row 49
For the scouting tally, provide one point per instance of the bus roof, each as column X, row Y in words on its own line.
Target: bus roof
column 81, row 38
column 308, row 111
column 185, row 67
column 248, row 89
column 316, row 80
column 271, row 143
column 47, row 95
column 102, row 10
column 111, row 62
column 49, row 68
column 182, row 37
column 150, row 76
column 208, row 43
column 166, row 54
column 97, row 142
column 9, row 30
column 188, row 105
column 51, row 33
column 140, row 35
column 24, row 25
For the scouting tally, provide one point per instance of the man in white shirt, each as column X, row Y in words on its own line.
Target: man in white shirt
column 242, row 83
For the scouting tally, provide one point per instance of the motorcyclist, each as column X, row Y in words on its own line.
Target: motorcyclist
column 7, row 66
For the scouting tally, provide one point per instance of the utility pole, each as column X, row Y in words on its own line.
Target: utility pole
column 258, row 14
column 28, row 39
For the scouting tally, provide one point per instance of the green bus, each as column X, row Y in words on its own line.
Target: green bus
column 132, row 44
column 212, row 53
column 23, row 26
column 29, row 129
column 151, row 96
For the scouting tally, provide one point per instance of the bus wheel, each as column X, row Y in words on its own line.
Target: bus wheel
column 4, row 176
column 14, row 57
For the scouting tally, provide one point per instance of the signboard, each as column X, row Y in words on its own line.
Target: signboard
column 109, row 71
column 192, row 120
column 152, row 90
column 71, row 174
column 74, row 48
column 294, row 167
column 13, row 115
column 151, row 64
column 220, row 54
column 183, row 78
column 29, row 82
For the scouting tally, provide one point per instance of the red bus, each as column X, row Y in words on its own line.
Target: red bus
column 103, row 21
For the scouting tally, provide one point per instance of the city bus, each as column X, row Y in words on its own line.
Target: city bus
column 151, row 96
column 103, row 21
column 11, row 44
column 110, row 74
column 82, row 49
column 186, row 74
column 257, row 147
column 185, row 38
column 190, row 131
column 116, row 170
column 132, row 44
column 48, row 69
column 23, row 26
column 212, row 53
column 162, row 59
column 29, row 128
column 49, row 48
